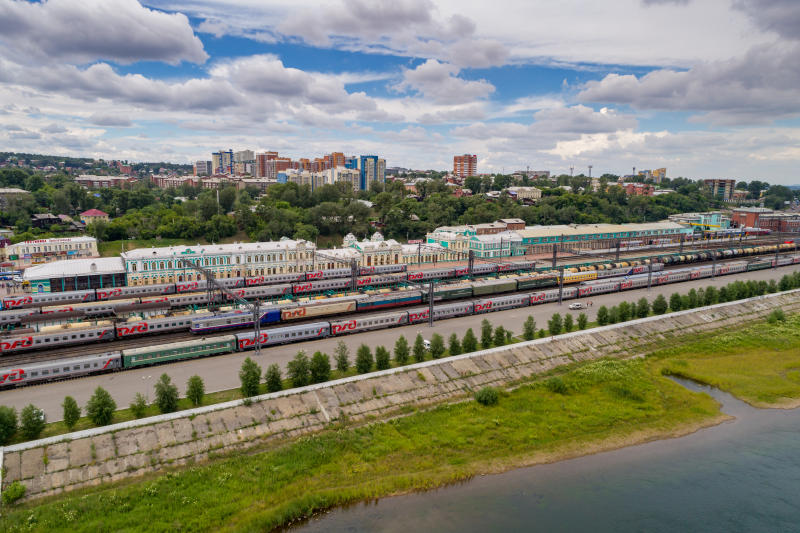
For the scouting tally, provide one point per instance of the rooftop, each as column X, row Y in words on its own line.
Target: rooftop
column 75, row 267
column 94, row 213
column 584, row 229
column 214, row 249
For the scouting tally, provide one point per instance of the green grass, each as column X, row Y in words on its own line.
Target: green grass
column 600, row 404
column 114, row 248
column 759, row 364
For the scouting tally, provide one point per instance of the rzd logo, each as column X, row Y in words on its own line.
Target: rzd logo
column 24, row 342
column 12, row 302
column 105, row 295
column 341, row 328
column 483, row 307
column 416, row 276
column 12, row 376
column 537, row 298
column 412, row 317
column 255, row 281
column 367, row 270
column 133, row 329
column 188, row 287
column 314, row 275
column 462, row 271
column 304, row 287
column 250, row 343
column 293, row 313
column 67, row 309
column 584, row 291
column 364, row 281
column 625, row 285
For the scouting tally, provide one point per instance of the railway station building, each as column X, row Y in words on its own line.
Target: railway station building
column 76, row 275
column 540, row 239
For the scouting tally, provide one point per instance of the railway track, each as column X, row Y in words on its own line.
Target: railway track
column 164, row 338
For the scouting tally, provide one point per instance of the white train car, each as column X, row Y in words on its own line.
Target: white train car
column 48, row 298
column 435, row 273
column 330, row 273
column 16, row 316
column 60, row 337
column 112, row 293
column 366, row 323
column 315, row 330
column 732, row 268
column 272, row 279
column 321, row 286
column 484, row 268
column 440, row 312
column 380, row 280
column 155, row 325
column 381, row 269
column 588, row 288
column 497, row 303
column 264, row 291
column 90, row 308
column 26, row 374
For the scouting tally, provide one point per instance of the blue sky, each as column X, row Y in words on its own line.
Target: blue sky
column 705, row 88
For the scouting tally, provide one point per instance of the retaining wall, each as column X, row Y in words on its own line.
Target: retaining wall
column 111, row 453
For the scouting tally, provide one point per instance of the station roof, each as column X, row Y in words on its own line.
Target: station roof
column 591, row 229
column 216, row 249
column 75, row 267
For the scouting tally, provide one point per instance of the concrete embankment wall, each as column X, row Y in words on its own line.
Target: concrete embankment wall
column 111, row 453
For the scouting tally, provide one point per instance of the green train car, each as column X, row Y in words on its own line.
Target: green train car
column 452, row 292
column 177, row 351
column 537, row 282
column 493, row 286
column 759, row 265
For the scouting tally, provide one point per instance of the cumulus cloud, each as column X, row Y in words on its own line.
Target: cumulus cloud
column 101, row 119
column 758, row 87
column 780, row 16
column 89, row 30
column 439, row 82
column 665, row 2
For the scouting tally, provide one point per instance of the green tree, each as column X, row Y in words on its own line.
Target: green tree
column 583, row 321
column 437, row 346
column 226, row 198
column 139, row 405
column 692, row 299
column 419, row 349
column 166, row 394
column 32, row 422
column 195, row 390
column 772, row 287
column 273, row 378
column 569, row 325
column 100, row 408
column 675, row 303
column 602, row 315
column 542, row 333
column 249, row 377
column 363, row 359
column 454, row 345
column 8, row 423
column 785, row 284
column 298, row 370
column 660, row 305
column 381, row 358
column 724, row 294
column 72, row 413
column 401, row 350
column 642, row 308
column 499, row 336
column 320, row 367
column 486, row 334
column 470, row 343
column 623, row 312
column 341, row 354
column 613, row 315
column 529, row 328
column 554, row 325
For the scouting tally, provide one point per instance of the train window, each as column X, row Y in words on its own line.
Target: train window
column 66, row 369
column 55, row 371
column 95, row 365
column 45, row 372
column 87, row 365
column 34, row 374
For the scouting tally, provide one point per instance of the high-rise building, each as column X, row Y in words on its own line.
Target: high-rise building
column 371, row 168
column 244, row 156
column 351, row 162
column 262, row 161
column 722, row 189
column 659, row 174
column 333, row 160
column 203, row 168
column 222, row 162
column 465, row 165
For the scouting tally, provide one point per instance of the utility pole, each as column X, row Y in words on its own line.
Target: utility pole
column 650, row 274
column 555, row 254
column 430, row 304
column 713, row 264
column 618, row 245
column 419, row 253
column 470, row 263
column 683, row 238
column 561, row 285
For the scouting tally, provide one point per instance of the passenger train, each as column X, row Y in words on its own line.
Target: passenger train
column 115, row 360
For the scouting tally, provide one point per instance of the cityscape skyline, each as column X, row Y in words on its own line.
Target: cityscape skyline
column 704, row 89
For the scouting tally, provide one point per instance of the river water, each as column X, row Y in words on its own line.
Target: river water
column 743, row 475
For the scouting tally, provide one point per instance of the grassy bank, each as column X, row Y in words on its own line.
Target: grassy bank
column 759, row 364
column 593, row 406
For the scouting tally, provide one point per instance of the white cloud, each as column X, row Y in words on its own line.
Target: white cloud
column 119, row 121
column 439, row 82
column 87, row 30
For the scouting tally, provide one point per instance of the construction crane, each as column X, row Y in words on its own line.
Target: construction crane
column 254, row 307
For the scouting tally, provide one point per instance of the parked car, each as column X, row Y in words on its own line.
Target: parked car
column 577, row 305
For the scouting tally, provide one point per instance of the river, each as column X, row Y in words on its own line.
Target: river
column 742, row 475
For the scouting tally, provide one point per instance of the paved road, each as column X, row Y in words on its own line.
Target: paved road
column 221, row 372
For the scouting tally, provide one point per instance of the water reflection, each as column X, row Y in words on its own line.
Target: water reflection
column 742, row 475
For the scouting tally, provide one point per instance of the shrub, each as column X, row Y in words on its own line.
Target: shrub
column 509, row 336
column 542, row 333
column 381, row 358
column 167, row 392
column 320, row 367
column 642, row 308
column 487, row 396
column 602, row 315
column 724, row 294
column 529, row 328
column 250, row 377
column 101, row 407
column 685, row 301
column 675, row 303
column 711, row 296
column 401, row 351
column 486, row 334
column 613, row 315
column 454, row 345
column 499, row 336
column 583, row 321
column 13, row 492
column 772, row 286
column 139, row 405
column 554, row 324
column 776, row 316
column 634, row 309
column 419, row 349
column 624, row 312
column 298, row 370
column 557, row 385
column 692, row 296
column 273, row 378
column 32, row 422
column 660, row 305
column 363, row 359
column 72, row 413
column 569, row 324
column 785, row 283
column 470, row 343
column 195, row 390
column 437, row 346
column 341, row 355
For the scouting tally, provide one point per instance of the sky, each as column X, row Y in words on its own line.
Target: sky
column 706, row 88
